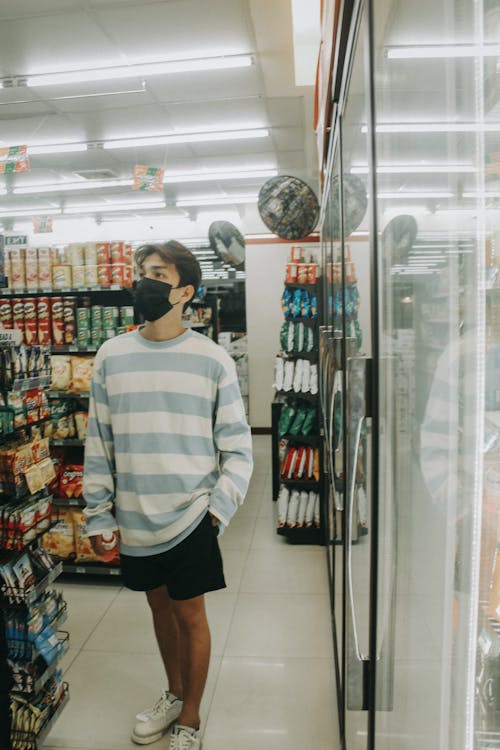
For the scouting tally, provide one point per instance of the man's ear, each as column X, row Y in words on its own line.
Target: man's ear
column 188, row 294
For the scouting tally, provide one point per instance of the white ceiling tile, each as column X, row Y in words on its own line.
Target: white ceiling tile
column 178, row 29
column 222, row 84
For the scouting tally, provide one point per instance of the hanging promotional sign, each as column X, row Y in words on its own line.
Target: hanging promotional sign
column 148, row 178
column 14, row 159
column 42, row 224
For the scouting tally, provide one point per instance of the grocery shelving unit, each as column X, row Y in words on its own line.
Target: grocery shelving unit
column 13, row 545
column 312, row 534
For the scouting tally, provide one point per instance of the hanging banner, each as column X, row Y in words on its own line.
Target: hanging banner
column 14, row 159
column 148, row 178
column 42, row 224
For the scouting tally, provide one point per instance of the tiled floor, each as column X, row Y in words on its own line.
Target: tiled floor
column 270, row 684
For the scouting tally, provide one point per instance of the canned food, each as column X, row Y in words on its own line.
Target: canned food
column 103, row 253
column 104, row 275
column 61, row 276
column 43, row 319
column 57, row 319
column 30, row 321
column 118, row 274
column 91, row 275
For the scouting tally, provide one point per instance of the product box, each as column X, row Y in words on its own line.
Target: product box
column 103, row 251
column 104, row 275
column 43, row 320
column 62, row 276
column 17, row 268
column 31, row 268
column 30, row 321
column 73, row 254
column 78, row 277
column 90, row 254
column 91, row 275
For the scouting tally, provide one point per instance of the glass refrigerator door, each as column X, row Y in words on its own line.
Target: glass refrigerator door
column 437, row 164
column 359, row 533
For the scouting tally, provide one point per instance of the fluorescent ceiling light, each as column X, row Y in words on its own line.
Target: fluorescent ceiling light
column 170, row 178
column 432, row 51
column 215, row 175
column 56, row 148
column 173, row 138
column 107, row 207
column 485, row 194
column 420, row 195
column 138, row 70
column 224, row 200
column 3, row 191
column 435, row 127
column 30, row 212
column 62, row 187
column 417, row 169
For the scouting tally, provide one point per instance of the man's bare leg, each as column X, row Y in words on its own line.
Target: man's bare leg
column 167, row 636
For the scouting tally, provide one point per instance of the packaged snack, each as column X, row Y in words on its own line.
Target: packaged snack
column 84, row 549
column 278, row 374
column 300, row 463
column 18, row 316
column 295, row 307
column 298, row 337
column 309, row 422
column 286, row 299
column 302, row 273
column 71, row 482
column 313, row 383
column 305, row 304
column 46, row 468
column 90, row 253
column 314, row 306
column 48, row 645
column 127, row 315
column 59, row 542
column 69, row 318
column 73, row 254
column 288, row 379
column 104, row 275
column 61, row 372
column 34, row 479
column 30, row 321
column 43, row 320
column 316, row 514
column 5, row 314
column 283, row 500
column 82, row 373
column 301, row 513
column 293, row 508
column 316, row 465
column 310, row 509
column 306, row 376
column 110, row 317
column 78, row 277
column 297, row 378
column 291, row 273
column 24, row 574
column 81, row 422
column 31, row 268
column 286, row 417
column 296, row 254
column 103, row 251
column 91, row 278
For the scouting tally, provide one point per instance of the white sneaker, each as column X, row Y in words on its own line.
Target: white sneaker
column 184, row 738
column 153, row 723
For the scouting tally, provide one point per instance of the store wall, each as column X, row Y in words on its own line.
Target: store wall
column 265, row 269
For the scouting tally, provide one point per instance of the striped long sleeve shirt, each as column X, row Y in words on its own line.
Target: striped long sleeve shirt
column 167, row 440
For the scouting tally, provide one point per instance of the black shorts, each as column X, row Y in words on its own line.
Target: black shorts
column 189, row 569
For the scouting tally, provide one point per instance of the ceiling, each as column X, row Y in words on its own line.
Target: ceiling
column 41, row 36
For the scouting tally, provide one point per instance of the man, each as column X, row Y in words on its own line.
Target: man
column 169, row 448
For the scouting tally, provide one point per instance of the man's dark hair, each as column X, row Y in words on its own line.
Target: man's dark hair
column 186, row 264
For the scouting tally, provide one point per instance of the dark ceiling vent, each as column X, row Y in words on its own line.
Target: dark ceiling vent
column 96, row 174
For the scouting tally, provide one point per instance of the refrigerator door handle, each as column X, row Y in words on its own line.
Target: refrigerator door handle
column 352, row 488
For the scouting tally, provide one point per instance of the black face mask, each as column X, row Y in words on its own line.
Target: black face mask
column 151, row 299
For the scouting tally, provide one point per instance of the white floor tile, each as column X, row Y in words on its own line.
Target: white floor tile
column 280, row 571
column 106, row 692
column 87, row 603
column 273, row 704
column 127, row 627
column 238, row 534
column 278, row 625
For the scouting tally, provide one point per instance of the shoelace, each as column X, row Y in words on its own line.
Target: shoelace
column 161, row 706
column 181, row 740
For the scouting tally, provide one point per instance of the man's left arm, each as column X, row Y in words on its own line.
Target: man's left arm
column 233, row 441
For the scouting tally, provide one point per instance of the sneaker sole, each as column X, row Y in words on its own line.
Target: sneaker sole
column 150, row 738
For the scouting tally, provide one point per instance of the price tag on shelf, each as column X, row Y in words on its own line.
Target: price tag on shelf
column 10, row 337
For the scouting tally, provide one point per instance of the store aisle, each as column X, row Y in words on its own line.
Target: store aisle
column 271, row 681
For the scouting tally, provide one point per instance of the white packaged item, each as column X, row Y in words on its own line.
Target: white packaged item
column 308, row 339
column 314, row 379
column 310, row 509
column 288, row 378
column 301, row 460
column 293, row 509
column 290, row 332
column 283, row 499
column 297, row 380
column 300, row 337
column 316, row 511
column 301, row 514
column 306, row 376
column 279, row 372
column 293, row 462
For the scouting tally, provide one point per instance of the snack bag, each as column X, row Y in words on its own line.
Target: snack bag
column 81, row 422
column 59, row 542
column 71, row 482
column 84, row 549
column 61, row 372
column 82, row 373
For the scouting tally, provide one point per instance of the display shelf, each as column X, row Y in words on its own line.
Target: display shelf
column 301, row 484
column 35, row 593
column 69, row 502
column 95, row 569
column 34, row 741
column 69, row 394
column 311, row 397
column 73, row 349
column 304, row 535
column 28, row 384
column 40, row 681
column 67, row 442
column 314, row 440
column 311, row 356
column 305, row 287
column 49, row 292
column 11, row 435
column 19, row 537
column 310, row 322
